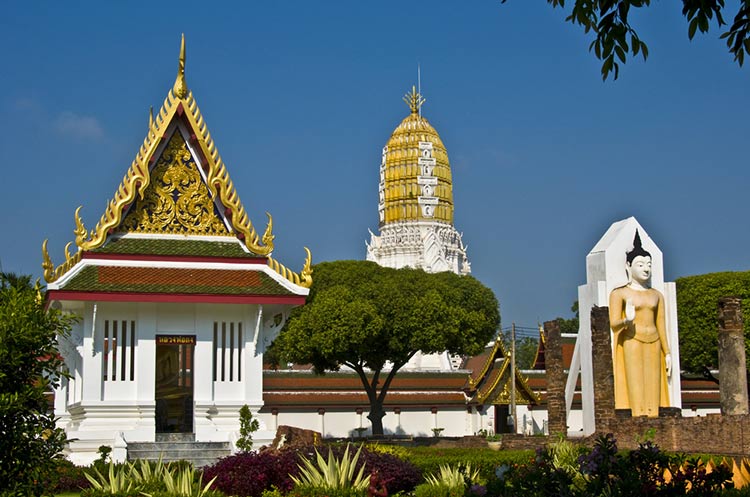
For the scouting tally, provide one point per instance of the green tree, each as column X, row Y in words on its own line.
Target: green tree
column 698, row 316
column 30, row 366
column 614, row 36
column 248, row 426
column 570, row 325
column 526, row 349
column 373, row 319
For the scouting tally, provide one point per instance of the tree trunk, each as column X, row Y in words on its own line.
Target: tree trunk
column 376, row 391
column 377, row 413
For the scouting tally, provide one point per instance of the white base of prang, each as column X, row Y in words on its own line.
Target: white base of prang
column 432, row 246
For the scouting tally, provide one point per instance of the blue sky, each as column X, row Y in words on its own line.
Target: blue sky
column 301, row 97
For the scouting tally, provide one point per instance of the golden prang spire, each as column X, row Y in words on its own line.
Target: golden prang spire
column 414, row 100
column 180, row 89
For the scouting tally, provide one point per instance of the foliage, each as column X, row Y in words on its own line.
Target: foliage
column 30, row 366
column 248, row 474
column 148, row 479
column 104, row 451
column 148, row 476
column 393, row 450
column 429, row 459
column 248, row 426
column 334, row 473
column 395, row 473
column 364, row 316
column 66, row 477
column 326, row 492
column 539, row 478
column 184, row 483
column 615, row 37
column 526, row 348
column 440, row 490
column 272, row 492
column 565, row 456
column 454, row 477
column 603, row 470
column 641, row 472
column 697, row 315
column 116, row 481
column 570, row 325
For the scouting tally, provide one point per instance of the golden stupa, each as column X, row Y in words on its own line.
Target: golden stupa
column 416, row 182
column 415, row 208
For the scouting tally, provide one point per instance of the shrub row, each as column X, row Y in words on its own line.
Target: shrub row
column 428, row 459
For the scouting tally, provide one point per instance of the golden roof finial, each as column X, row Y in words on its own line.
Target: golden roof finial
column 414, row 100
column 180, row 89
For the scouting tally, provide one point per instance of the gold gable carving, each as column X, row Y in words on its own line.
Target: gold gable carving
column 177, row 200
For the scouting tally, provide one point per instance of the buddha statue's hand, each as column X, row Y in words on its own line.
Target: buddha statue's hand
column 629, row 311
column 668, row 363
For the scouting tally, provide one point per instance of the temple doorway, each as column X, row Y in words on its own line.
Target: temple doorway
column 502, row 419
column 174, row 383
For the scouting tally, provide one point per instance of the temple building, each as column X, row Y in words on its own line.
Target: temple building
column 415, row 211
column 179, row 297
column 177, row 294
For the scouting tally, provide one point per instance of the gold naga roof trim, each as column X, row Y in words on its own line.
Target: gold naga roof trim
column 485, row 384
column 179, row 102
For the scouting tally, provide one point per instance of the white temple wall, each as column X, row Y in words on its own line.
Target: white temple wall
column 344, row 423
column 95, row 408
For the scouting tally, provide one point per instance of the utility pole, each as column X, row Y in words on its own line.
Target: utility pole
column 512, row 416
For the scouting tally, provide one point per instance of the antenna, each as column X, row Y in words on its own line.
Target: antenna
column 419, row 85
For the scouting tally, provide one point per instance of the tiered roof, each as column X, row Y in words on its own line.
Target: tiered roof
column 176, row 227
column 491, row 379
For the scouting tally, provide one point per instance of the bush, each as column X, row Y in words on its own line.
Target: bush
column 396, row 474
column 66, row 477
column 603, row 470
column 325, row 492
column 248, row 426
column 250, row 473
column 442, row 490
column 428, row 460
column 30, row 365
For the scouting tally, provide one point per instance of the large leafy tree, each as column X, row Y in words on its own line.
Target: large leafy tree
column 698, row 316
column 29, row 367
column 614, row 36
column 373, row 319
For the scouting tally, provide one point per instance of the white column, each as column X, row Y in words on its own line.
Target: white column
column 92, row 355
column 145, row 354
column 252, row 374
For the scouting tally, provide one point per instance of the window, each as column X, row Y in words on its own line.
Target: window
column 227, row 353
column 118, row 361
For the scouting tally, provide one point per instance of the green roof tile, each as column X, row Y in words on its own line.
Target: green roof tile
column 87, row 280
column 165, row 246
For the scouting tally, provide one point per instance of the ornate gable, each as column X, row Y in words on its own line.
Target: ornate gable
column 492, row 382
column 176, row 200
column 176, row 185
